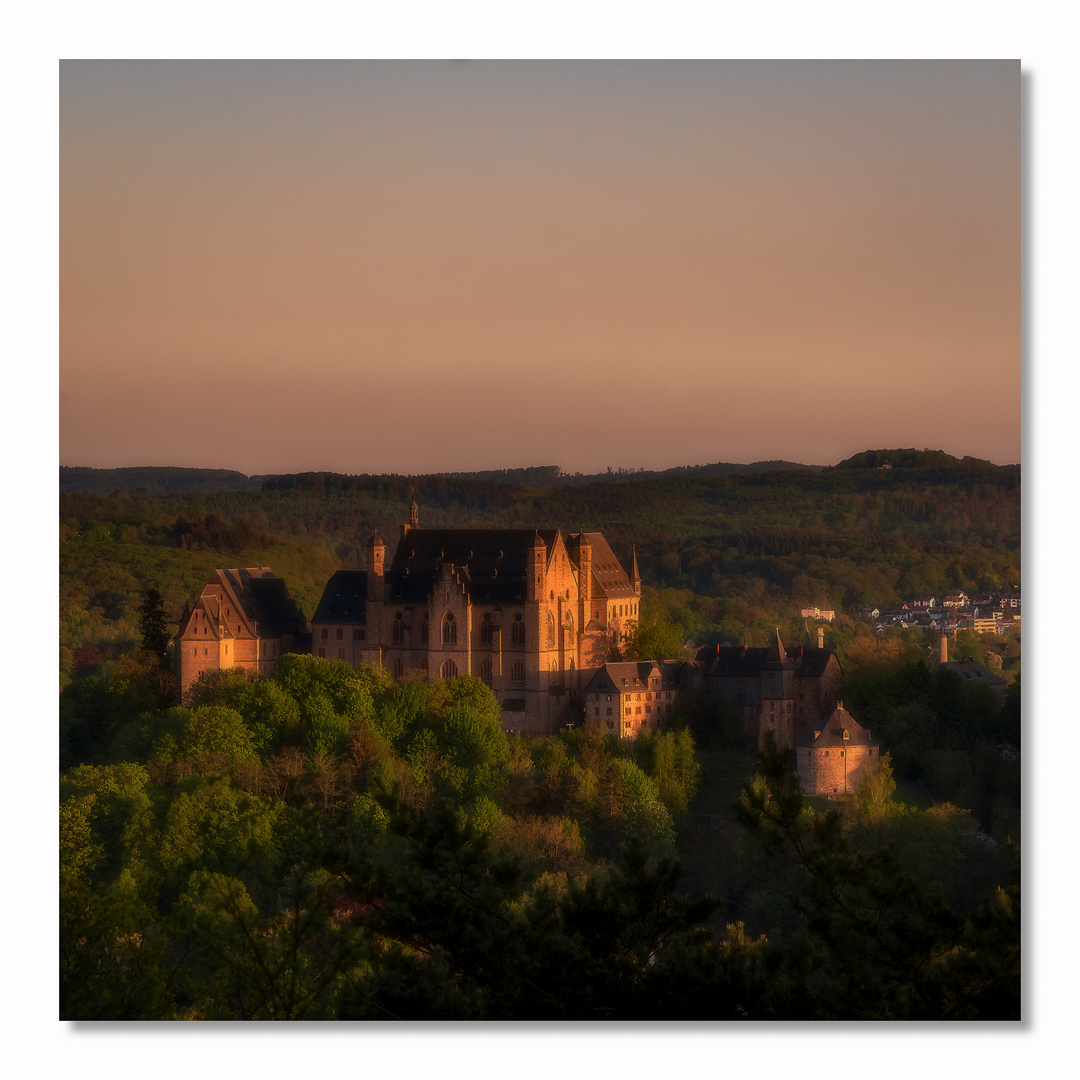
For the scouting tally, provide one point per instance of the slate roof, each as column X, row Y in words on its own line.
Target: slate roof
column 262, row 600
column 623, row 677
column 344, row 600
column 972, row 671
column 739, row 662
column 492, row 564
column 609, row 579
column 830, row 732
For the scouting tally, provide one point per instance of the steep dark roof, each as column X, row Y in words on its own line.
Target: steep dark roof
column 622, row 677
column 830, row 732
column 973, row 671
column 736, row 661
column 344, row 600
column 608, row 577
column 491, row 563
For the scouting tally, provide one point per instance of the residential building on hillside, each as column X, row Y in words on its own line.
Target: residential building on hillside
column 532, row 614
column 244, row 618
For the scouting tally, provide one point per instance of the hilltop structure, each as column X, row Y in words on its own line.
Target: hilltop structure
column 532, row 614
column 772, row 689
column 243, row 618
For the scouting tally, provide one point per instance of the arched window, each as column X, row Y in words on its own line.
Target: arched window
column 485, row 671
column 517, row 671
column 424, row 629
column 399, row 669
column 397, row 634
column 551, row 631
column 449, row 630
column 424, row 667
column 486, row 629
column 449, row 670
column 517, row 631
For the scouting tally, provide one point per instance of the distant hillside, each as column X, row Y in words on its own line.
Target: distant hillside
column 179, row 481
column 932, row 460
column 163, row 480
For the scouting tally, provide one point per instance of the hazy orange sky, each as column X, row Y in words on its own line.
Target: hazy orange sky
column 414, row 267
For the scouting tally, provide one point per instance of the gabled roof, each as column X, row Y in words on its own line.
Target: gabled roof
column 609, row 579
column 344, row 600
column 260, row 598
column 493, row 564
column 622, row 678
column 741, row 662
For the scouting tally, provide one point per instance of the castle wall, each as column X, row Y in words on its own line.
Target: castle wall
column 832, row 770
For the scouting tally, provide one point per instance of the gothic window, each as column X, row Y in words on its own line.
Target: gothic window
column 517, row 631
column 517, row 671
column 551, row 631
column 449, row 630
column 424, row 629
column 399, row 668
column 449, row 670
column 485, row 630
column 423, row 666
column 398, row 633
column 485, row 671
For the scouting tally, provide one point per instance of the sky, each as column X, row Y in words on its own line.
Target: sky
column 424, row 266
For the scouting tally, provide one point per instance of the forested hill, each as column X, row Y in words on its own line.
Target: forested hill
column 159, row 480
column 730, row 556
column 155, row 480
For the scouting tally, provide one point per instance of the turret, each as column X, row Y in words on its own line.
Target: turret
column 376, row 554
column 414, row 520
column 535, row 569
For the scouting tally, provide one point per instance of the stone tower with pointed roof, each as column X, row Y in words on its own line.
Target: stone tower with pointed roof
column 530, row 612
column 833, row 758
column 777, row 695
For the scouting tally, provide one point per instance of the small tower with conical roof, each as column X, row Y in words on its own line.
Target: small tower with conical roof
column 413, row 522
column 635, row 577
column 376, row 556
column 777, row 695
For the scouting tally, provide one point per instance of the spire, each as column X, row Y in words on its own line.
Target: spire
column 776, row 649
column 635, row 577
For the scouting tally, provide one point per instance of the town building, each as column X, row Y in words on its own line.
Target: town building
column 533, row 614
column 243, row 618
column 834, row 757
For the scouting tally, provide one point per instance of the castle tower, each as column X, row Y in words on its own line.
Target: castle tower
column 413, row 522
column 376, row 555
column 536, row 569
column 777, row 695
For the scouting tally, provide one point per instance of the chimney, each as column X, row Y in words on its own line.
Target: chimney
column 944, row 649
column 821, row 637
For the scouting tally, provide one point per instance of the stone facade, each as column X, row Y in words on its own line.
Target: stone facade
column 532, row 614
column 788, row 691
column 833, row 758
column 242, row 618
column 628, row 698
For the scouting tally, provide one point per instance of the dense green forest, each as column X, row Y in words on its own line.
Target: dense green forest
column 327, row 844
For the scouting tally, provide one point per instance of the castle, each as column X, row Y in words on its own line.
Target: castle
column 530, row 613
column 834, row 757
column 770, row 688
column 538, row 617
